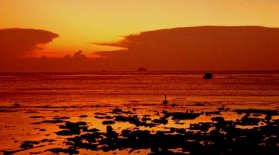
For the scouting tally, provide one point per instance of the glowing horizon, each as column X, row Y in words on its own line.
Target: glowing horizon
column 82, row 23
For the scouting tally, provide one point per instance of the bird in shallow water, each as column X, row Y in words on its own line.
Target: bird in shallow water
column 165, row 101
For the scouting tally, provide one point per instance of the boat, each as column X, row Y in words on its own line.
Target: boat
column 208, row 75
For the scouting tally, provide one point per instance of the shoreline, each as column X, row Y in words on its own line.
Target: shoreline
column 53, row 128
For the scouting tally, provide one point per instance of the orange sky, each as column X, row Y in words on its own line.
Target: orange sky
column 79, row 23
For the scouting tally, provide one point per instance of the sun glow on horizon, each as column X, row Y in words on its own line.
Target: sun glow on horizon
column 81, row 22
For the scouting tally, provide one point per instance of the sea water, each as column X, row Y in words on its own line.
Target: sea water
column 115, row 88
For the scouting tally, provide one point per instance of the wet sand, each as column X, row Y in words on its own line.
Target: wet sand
column 196, row 128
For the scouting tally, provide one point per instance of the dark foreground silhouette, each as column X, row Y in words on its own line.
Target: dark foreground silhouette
column 218, row 137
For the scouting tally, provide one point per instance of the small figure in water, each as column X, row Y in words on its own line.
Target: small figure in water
column 165, row 101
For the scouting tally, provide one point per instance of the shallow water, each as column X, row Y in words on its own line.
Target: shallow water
column 42, row 97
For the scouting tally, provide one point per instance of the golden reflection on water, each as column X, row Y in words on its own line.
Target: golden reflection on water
column 26, row 123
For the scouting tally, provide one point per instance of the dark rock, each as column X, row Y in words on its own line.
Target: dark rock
column 117, row 111
column 53, row 121
column 61, row 117
column 28, row 144
column 182, row 116
column 37, row 117
column 218, row 119
column 83, row 116
column 16, row 105
column 61, row 150
column 260, row 111
column 108, row 122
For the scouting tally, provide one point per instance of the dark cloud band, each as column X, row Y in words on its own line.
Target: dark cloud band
column 16, row 42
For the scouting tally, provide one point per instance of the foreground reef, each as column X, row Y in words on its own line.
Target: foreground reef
column 256, row 132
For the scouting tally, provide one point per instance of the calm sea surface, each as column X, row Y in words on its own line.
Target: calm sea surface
column 46, row 97
column 113, row 88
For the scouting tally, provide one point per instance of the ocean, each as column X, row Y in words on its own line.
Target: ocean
column 116, row 88
column 44, row 113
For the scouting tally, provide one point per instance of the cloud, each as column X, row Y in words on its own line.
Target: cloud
column 16, row 42
column 76, row 62
column 186, row 48
column 199, row 48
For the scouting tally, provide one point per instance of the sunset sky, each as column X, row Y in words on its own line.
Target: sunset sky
column 81, row 23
